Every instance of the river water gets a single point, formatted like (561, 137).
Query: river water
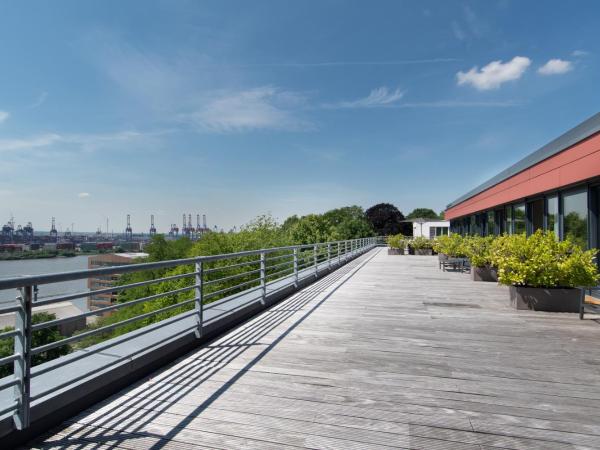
(22, 267)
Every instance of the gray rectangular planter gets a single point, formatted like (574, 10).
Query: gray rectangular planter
(484, 274)
(395, 251)
(541, 299)
(423, 251)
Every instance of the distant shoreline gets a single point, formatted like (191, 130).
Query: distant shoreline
(42, 255)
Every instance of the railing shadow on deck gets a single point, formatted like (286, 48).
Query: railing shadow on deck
(111, 427)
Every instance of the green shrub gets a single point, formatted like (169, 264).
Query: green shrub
(478, 250)
(397, 241)
(543, 261)
(420, 243)
(451, 245)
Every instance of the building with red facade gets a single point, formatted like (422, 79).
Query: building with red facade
(555, 188)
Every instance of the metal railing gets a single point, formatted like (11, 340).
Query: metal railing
(185, 286)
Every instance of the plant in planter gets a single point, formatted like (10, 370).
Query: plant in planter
(452, 245)
(397, 244)
(421, 246)
(542, 272)
(479, 251)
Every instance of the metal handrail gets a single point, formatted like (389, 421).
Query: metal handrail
(305, 261)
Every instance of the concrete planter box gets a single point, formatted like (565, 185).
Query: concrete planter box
(484, 273)
(541, 299)
(423, 251)
(395, 251)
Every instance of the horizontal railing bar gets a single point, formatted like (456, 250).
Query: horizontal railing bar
(230, 277)
(95, 312)
(9, 309)
(231, 288)
(112, 289)
(78, 337)
(285, 263)
(9, 334)
(289, 270)
(231, 266)
(233, 297)
(10, 383)
(11, 407)
(273, 258)
(106, 345)
(8, 359)
(111, 363)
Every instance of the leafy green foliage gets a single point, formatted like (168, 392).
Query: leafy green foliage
(38, 338)
(423, 213)
(543, 261)
(452, 245)
(420, 243)
(397, 241)
(386, 220)
(478, 250)
(225, 277)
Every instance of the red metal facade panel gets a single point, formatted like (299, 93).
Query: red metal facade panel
(578, 163)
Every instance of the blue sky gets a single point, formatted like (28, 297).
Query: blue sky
(234, 109)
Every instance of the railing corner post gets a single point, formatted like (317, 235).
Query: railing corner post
(263, 278)
(199, 297)
(296, 267)
(22, 365)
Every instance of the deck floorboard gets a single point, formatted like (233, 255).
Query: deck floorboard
(387, 352)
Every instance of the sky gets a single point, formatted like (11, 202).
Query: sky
(236, 109)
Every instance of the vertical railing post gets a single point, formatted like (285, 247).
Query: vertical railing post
(315, 261)
(329, 256)
(295, 267)
(22, 348)
(339, 247)
(263, 277)
(345, 250)
(199, 303)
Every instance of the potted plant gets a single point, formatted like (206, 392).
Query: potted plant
(397, 244)
(479, 251)
(421, 246)
(543, 273)
(449, 246)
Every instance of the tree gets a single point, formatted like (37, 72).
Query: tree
(386, 220)
(38, 337)
(423, 213)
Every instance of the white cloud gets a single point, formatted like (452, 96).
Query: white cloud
(493, 75)
(44, 140)
(580, 53)
(556, 67)
(3, 116)
(382, 96)
(85, 142)
(39, 101)
(261, 108)
(83, 195)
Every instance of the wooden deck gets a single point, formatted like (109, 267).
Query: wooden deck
(387, 352)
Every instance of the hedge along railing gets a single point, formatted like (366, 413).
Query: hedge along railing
(202, 280)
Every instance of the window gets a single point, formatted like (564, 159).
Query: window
(575, 218)
(509, 220)
(490, 223)
(536, 215)
(473, 226)
(519, 219)
(552, 214)
(499, 222)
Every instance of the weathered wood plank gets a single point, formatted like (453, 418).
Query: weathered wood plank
(389, 353)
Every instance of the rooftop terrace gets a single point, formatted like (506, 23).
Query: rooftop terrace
(386, 351)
